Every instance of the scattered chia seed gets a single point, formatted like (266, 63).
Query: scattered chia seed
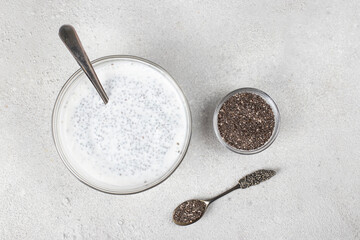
(189, 212)
(246, 121)
(256, 178)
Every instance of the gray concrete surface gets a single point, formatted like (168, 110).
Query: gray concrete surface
(305, 54)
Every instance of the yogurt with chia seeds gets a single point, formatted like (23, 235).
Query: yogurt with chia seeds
(134, 141)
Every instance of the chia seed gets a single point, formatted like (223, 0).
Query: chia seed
(246, 121)
(256, 178)
(189, 212)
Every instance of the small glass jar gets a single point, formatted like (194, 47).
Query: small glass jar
(268, 100)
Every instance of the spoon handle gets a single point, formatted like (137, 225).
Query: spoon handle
(237, 186)
(247, 181)
(71, 40)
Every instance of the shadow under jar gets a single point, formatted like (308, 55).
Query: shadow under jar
(246, 121)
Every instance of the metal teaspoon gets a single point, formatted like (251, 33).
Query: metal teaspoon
(71, 40)
(191, 211)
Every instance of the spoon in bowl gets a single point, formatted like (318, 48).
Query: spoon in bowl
(71, 40)
(191, 211)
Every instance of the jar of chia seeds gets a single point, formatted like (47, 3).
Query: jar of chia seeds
(246, 121)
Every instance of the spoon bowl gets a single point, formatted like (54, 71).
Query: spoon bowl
(190, 211)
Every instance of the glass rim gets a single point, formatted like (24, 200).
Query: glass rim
(268, 100)
(60, 151)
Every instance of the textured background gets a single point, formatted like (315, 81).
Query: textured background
(305, 54)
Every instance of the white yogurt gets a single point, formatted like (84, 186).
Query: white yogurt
(134, 140)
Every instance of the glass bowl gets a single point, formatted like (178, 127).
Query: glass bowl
(74, 167)
(268, 100)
